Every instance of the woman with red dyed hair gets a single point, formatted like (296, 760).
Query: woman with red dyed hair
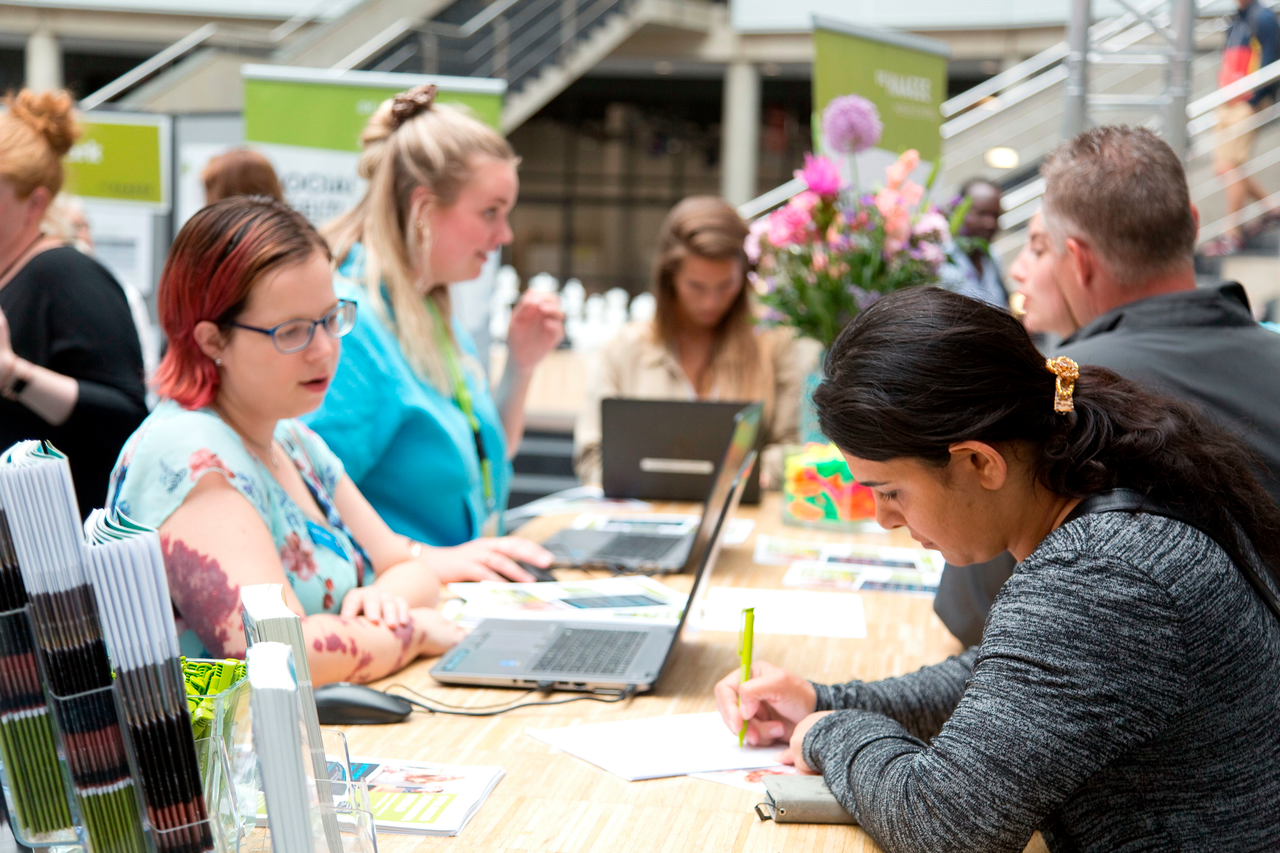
(247, 302)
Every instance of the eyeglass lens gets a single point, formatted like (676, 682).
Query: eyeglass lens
(295, 335)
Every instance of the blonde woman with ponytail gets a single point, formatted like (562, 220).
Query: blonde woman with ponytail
(410, 413)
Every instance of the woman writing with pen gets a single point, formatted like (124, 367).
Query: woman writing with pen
(1127, 689)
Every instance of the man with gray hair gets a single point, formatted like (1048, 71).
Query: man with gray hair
(1122, 234)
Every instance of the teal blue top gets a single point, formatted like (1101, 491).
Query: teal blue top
(173, 448)
(406, 445)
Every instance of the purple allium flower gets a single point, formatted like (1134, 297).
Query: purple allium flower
(851, 124)
(820, 175)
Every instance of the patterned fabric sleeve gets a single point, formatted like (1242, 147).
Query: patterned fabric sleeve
(162, 462)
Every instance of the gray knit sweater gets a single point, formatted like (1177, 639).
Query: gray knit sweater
(1126, 696)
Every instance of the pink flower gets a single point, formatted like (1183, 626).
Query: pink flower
(298, 558)
(204, 460)
(897, 225)
(851, 124)
(911, 193)
(933, 226)
(788, 225)
(892, 246)
(931, 253)
(752, 244)
(819, 260)
(820, 175)
(888, 201)
(898, 172)
(805, 201)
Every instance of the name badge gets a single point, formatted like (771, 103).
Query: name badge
(325, 539)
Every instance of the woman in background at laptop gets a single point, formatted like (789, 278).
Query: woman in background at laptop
(1126, 692)
(703, 343)
(241, 492)
(410, 413)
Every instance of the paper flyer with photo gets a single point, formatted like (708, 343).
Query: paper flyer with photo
(629, 598)
(747, 780)
(869, 568)
(777, 551)
(420, 798)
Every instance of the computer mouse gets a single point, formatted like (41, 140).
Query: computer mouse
(539, 574)
(344, 704)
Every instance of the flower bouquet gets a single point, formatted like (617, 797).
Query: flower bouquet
(833, 250)
(830, 251)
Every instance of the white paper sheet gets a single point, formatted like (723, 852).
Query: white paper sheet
(737, 531)
(747, 780)
(654, 747)
(778, 611)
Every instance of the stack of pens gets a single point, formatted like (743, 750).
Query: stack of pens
(27, 747)
(126, 568)
(37, 494)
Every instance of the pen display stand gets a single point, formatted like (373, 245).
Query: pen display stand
(819, 492)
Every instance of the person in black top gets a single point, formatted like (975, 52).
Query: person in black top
(70, 362)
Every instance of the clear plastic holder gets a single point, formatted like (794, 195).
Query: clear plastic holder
(37, 786)
(93, 744)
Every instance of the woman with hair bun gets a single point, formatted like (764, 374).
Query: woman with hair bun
(1126, 692)
(70, 363)
(241, 492)
(704, 342)
(410, 412)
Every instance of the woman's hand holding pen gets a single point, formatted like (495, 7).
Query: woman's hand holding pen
(772, 702)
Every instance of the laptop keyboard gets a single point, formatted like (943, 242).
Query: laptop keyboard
(591, 652)
(636, 546)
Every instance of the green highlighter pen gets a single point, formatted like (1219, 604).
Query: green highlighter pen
(748, 635)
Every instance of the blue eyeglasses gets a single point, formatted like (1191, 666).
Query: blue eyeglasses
(295, 335)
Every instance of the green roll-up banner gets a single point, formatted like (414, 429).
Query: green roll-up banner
(307, 121)
(904, 75)
(121, 158)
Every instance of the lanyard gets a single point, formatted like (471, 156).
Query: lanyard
(462, 398)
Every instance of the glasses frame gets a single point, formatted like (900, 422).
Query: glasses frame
(311, 333)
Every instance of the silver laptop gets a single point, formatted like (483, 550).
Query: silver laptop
(653, 551)
(601, 657)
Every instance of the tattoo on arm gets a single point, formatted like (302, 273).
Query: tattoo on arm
(206, 599)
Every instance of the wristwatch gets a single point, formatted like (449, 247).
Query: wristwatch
(17, 380)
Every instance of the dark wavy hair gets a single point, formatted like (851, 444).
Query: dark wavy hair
(923, 369)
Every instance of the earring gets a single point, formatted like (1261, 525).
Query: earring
(217, 362)
(419, 224)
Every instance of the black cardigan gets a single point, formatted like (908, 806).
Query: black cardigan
(66, 312)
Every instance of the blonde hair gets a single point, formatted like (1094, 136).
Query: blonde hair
(708, 227)
(35, 134)
(432, 149)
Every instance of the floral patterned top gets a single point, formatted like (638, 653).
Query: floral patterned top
(165, 458)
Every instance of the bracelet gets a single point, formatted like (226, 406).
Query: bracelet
(17, 380)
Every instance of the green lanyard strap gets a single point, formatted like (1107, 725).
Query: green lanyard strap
(462, 398)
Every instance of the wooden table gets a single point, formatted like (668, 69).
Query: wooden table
(550, 801)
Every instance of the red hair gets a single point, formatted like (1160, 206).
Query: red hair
(212, 267)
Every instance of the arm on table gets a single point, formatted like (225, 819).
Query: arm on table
(207, 562)
(1062, 688)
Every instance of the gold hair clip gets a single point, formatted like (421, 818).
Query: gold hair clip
(1066, 372)
(409, 104)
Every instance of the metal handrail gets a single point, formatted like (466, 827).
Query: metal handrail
(1231, 91)
(193, 40)
(1042, 60)
(131, 78)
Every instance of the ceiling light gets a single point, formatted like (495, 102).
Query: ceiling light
(1001, 158)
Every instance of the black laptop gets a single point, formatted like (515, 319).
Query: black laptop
(667, 450)
(656, 551)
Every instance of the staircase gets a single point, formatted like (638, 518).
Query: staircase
(1023, 109)
(540, 47)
